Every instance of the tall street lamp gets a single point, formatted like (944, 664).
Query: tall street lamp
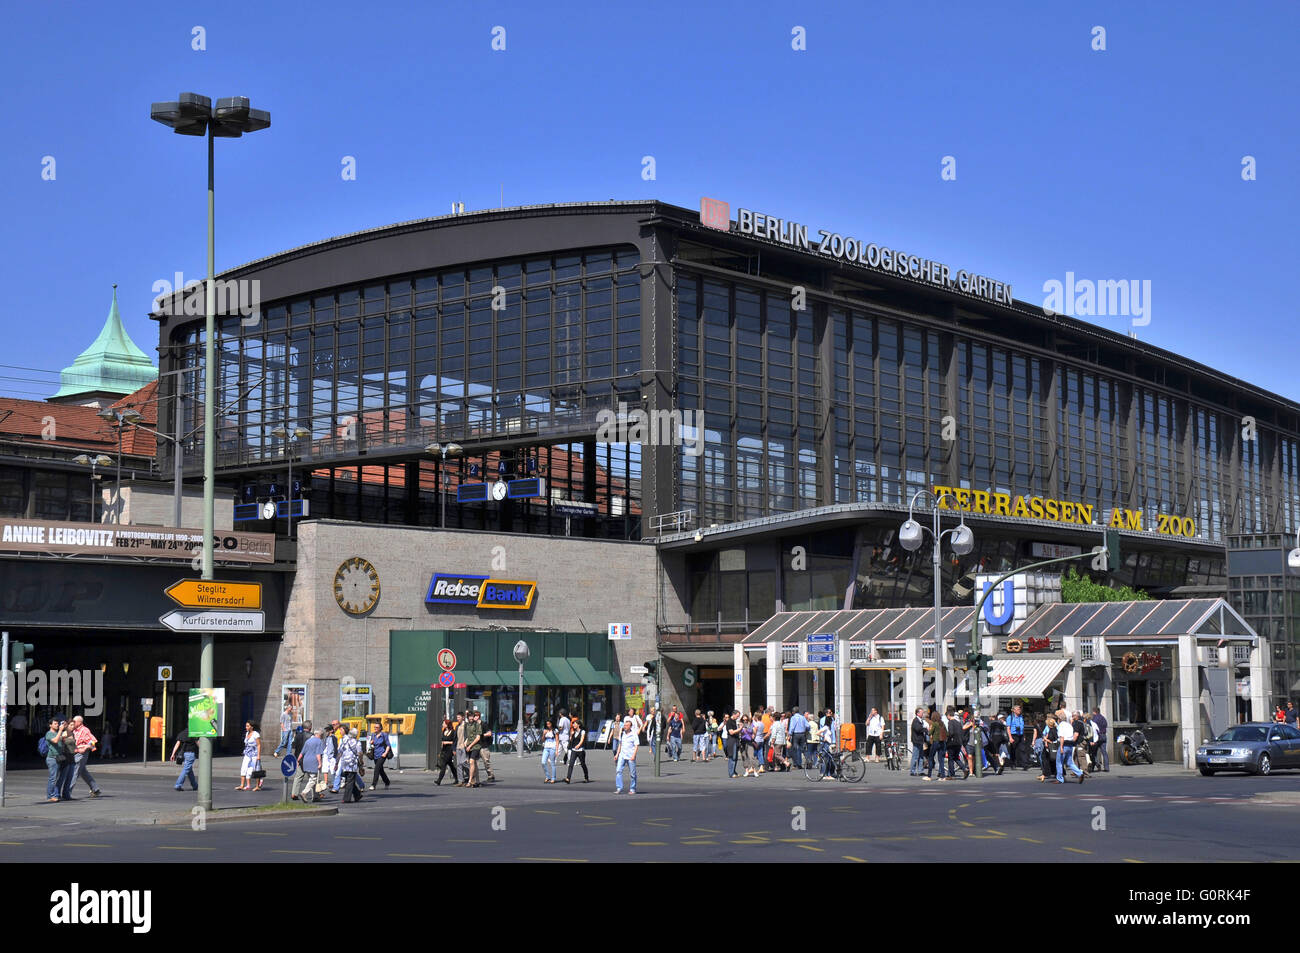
(443, 452)
(117, 419)
(910, 535)
(290, 438)
(193, 115)
(99, 460)
(521, 656)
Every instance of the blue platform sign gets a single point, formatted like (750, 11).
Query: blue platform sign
(822, 637)
(288, 765)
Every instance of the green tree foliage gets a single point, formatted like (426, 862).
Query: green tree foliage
(1079, 588)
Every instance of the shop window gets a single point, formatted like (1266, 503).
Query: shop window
(1158, 701)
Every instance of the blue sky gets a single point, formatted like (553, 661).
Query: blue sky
(1122, 164)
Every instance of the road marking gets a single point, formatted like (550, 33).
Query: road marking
(753, 843)
(647, 843)
(797, 840)
(354, 837)
(11, 843)
(264, 834)
(468, 840)
(960, 806)
(596, 817)
(84, 845)
(856, 860)
(546, 812)
(184, 848)
(600, 824)
(992, 831)
(1130, 860)
(844, 840)
(700, 843)
(1076, 850)
(906, 837)
(939, 837)
(706, 830)
(983, 837)
(655, 824)
(558, 860)
(1029, 840)
(441, 856)
(925, 822)
(806, 847)
(302, 851)
(966, 823)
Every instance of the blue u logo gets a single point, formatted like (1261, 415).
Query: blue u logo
(991, 615)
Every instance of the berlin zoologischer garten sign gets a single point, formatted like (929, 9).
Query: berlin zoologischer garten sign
(717, 214)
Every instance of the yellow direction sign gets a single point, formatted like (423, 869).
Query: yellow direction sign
(215, 594)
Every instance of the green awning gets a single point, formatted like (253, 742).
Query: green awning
(470, 677)
(560, 671)
(589, 675)
(535, 677)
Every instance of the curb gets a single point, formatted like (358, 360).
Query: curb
(231, 814)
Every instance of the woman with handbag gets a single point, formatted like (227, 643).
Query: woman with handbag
(252, 764)
(447, 753)
(1051, 741)
(747, 746)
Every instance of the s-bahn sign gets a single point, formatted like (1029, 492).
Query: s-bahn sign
(880, 258)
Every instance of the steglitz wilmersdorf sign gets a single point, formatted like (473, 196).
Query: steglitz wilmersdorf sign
(879, 258)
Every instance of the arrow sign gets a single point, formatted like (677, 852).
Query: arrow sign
(214, 620)
(822, 637)
(214, 594)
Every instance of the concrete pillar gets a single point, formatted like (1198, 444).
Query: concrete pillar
(1107, 700)
(741, 679)
(1073, 673)
(1259, 680)
(843, 680)
(775, 680)
(1189, 702)
(805, 690)
(913, 677)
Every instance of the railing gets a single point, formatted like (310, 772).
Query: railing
(394, 429)
(676, 522)
(1241, 655)
(1087, 650)
(789, 655)
(859, 651)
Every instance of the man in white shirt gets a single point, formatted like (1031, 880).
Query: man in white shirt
(627, 747)
(875, 735)
(563, 726)
(1065, 752)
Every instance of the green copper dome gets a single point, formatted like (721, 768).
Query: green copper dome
(112, 364)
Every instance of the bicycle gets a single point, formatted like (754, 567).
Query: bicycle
(895, 753)
(844, 766)
(507, 741)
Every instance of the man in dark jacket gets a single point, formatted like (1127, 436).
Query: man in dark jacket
(300, 738)
(956, 741)
(997, 738)
(1100, 755)
(918, 740)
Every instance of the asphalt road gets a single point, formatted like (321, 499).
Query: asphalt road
(692, 814)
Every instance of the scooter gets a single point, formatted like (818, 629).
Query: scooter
(1133, 747)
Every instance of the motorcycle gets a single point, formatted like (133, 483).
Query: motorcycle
(1133, 747)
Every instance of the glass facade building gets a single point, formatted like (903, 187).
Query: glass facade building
(805, 385)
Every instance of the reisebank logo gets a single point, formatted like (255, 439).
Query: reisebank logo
(459, 589)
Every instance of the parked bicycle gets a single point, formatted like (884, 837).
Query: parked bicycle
(507, 740)
(841, 765)
(895, 752)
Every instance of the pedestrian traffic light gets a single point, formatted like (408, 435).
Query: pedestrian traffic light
(972, 660)
(651, 670)
(20, 655)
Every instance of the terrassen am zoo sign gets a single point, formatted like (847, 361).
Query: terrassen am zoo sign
(153, 542)
(1058, 511)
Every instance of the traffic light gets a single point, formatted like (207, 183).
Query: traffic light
(20, 655)
(651, 670)
(1112, 550)
(972, 660)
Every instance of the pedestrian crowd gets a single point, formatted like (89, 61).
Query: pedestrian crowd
(1058, 742)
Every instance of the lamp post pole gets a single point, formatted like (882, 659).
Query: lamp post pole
(521, 653)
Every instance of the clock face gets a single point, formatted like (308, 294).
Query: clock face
(356, 586)
(499, 490)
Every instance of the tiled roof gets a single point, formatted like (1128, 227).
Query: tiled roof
(75, 426)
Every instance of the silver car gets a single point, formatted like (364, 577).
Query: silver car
(1259, 747)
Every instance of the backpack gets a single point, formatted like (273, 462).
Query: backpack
(1093, 734)
(954, 733)
(43, 747)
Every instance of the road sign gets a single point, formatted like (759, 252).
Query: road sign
(822, 637)
(820, 658)
(638, 670)
(689, 677)
(446, 659)
(146, 704)
(215, 594)
(164, 673)
(214, 620)
(288, 765)
(446, 679)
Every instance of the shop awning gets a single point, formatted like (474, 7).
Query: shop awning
(588, 674)
(1022, 676)
(469, 676)
(560, 672)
